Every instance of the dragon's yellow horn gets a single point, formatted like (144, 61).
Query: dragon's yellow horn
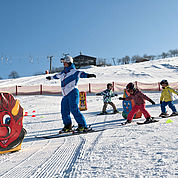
(15, 109)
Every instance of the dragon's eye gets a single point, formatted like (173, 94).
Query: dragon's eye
(6, 119)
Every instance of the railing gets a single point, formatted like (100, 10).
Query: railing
(89, 88)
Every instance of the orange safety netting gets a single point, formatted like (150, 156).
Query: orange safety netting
(90, 88)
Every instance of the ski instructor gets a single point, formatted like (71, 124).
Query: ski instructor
(69, 79)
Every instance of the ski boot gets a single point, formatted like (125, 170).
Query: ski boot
(67, 128)
(174, 114)
(104, 112)
(163, 114)
(115, 112)
(148, 120)
(82, 129)
(127, 122)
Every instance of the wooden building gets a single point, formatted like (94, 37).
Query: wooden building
(83, 60)
(141, 60)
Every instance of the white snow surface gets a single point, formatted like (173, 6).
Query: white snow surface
(150, 72)
(119, 151)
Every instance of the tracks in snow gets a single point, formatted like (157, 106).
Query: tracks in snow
(61, 158)
(64, 161)
(18, 167)
(51, 158)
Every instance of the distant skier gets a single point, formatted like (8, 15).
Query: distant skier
(139, 100)
(107, 94)
(69, 79)
(166, 99)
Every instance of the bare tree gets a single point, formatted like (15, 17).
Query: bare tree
(101, 62)
(13, 75)
(126, 60)
(173, 53)
(164, 55)
(149, 57)
(152, 57)
(137, 58)
(146, 57)
(119, 61)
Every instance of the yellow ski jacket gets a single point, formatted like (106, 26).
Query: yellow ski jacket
(166, 94)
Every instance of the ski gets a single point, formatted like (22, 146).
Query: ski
(66, 134)
(101, 114)
(152, 121)
(168, 116)
(127, 124)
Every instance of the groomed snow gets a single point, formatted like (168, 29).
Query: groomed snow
(119, 151)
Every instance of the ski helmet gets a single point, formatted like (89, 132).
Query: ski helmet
(130, 86)
(67, 59)
(164, 82)
(109, 84)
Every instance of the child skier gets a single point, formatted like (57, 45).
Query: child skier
(107, 94)
(166, 99)
(139, 99)
(69, 79)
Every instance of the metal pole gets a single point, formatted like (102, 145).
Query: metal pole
(114, 61)
(50, 67)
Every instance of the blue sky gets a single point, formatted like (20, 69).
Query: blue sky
(34, 29)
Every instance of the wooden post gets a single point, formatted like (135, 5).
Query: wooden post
(113, 86)
(159, 88)
(89, 87)
(16, 90)
(41, 89)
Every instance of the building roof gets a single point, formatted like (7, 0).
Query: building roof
(81, 55)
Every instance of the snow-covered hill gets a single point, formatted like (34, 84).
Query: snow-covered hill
(119, 151)
(151, 71)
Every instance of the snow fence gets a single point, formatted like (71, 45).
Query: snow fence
(89, 88)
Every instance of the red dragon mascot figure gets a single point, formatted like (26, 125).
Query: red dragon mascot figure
(11, 124)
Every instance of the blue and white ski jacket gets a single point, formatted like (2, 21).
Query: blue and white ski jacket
(69, 78)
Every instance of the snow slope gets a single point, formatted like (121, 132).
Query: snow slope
(119, 151)
(150, 72)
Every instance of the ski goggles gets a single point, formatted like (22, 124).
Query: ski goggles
(62, 60)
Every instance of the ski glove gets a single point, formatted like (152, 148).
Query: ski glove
(120, 98)
(152, 102)
(98, 94)
(48, 78)
(91, 75)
